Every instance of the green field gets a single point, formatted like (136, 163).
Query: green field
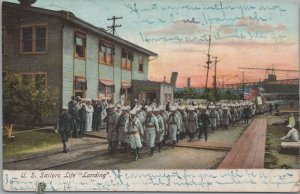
(30, 142)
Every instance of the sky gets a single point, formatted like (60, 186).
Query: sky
(257, 34)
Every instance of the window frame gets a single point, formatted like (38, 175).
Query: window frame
(74, 44)
(106, 91)
(33, 43)
(128, 52)
(143, 59)
(33, 74)
(106, 46)
(76, 90)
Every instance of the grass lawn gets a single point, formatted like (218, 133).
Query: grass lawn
(30, 142)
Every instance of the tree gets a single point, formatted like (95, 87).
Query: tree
(42, 102)
(23, 94)
(190, 93)
(14, 97)
(208, 95)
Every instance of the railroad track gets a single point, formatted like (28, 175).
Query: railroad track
(53, 153)
(74, 161)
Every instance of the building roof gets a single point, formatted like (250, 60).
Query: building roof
(70, 17)
(150, 81)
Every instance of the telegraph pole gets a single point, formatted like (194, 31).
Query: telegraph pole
(114, 26)
(243, 81)
(208, 63)
(215, 78)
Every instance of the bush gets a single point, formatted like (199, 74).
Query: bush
(21, 95)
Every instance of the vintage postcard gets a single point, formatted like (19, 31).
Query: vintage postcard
(136, 95)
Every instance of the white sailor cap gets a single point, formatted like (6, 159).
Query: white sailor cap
(65, 108)
(149, 109)
(125, 108)
(111, 106)
(156, 110)
(162, 107)
(173, 108)
(132, 112)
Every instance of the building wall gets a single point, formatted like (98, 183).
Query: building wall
(49, 63)
(166, 89)
(68, 60)
(92, 70)
(13, 61)
(146, 88)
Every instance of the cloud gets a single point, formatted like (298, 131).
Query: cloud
(226, 29)
(179, 27)
(251, 26)
(188, 47)
(256, 26)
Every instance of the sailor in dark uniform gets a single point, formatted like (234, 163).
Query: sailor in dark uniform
(65, 120)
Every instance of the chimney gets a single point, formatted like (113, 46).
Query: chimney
(188, 84)
(27, 2)
(174, 78)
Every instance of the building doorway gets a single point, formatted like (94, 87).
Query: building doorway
(151, 96)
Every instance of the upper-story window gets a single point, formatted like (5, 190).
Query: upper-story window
(127, 59)
(105, 54)
(80, 44)
(141, 64)
(33, 39)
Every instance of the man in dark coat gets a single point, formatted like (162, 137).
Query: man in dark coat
(246, 113)
(65, 120)
(97, 115)
(82, 120)
(168, 106)
(73, 111)
(203, 121)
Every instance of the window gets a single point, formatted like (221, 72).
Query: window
(80, 44)
(105, 54)
(40, 39)
(27, 40)
(80, 87)
(126, 90)
(33, 39)
(27, 78)
(127, 59)
(141, 64)
(39, 79)
(106, 89)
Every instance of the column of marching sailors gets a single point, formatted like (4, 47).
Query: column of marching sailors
(150, 125)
